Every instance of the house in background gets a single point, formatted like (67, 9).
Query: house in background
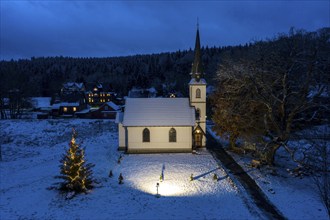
(42, 106)
(107, 110)
(96, 94)
(71, 100)
(70, 88)
(67, 109)
(166, 124)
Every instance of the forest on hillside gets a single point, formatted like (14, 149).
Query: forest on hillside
(44, 76)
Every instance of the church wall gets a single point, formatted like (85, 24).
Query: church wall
(121, 138)
(159, 140)
(199, 103)
(192, 95)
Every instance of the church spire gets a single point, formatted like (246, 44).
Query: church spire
(197, 66)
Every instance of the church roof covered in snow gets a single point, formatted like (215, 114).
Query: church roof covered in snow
(158, 112)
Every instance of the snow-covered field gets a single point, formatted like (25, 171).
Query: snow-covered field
(31, 150)
(295, 197)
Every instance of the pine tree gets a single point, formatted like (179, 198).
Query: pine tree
(77, 175)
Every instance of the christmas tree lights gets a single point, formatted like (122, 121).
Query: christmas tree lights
(77, 175)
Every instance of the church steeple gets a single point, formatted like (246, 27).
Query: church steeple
(197, 67)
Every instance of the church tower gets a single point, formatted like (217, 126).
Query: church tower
(197, 95)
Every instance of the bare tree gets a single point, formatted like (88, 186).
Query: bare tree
(281, 79)
(322, 178)
(317, 161)
(236, 114)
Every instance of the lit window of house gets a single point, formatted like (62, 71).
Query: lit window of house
(65, 109)
(74, 109)
(108, 94)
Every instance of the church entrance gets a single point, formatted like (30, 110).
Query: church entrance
(198, 138)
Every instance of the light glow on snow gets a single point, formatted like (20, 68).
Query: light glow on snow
(166, 188)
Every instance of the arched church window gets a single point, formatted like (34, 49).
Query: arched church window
(198, 114)
(172, 135)
(146, 135)
(198, 93)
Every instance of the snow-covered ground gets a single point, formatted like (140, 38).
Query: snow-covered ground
(295, 197)
(31, 150)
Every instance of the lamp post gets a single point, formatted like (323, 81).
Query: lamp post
(157, 195)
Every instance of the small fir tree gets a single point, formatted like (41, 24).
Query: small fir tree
(215, 177)
(77, 175)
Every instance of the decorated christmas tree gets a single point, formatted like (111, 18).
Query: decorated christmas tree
(77, 175)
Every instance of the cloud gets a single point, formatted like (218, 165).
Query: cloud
(107, 28)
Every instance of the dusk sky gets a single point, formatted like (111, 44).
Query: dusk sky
(120, 28)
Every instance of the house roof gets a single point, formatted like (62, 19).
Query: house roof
(158, 112)
(200, 82)
(41, 102)
(113, 106)
(119, 117)
(65, 104)
(73, 85)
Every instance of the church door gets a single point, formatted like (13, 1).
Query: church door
(198, 139)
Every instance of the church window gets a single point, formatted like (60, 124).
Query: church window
(146, 135)
(198, 93)
(172, 135)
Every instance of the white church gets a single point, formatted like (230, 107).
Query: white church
(156, 125)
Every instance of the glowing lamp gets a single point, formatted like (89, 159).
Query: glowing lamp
(157, 186)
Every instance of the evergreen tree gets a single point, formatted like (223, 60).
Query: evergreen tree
(77, 175)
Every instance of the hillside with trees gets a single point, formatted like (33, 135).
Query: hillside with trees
(44, 76)
(271, 89)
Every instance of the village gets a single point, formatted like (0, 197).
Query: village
(188, 164)
(98, 120)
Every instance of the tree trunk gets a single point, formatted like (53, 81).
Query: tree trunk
(232, 142)
(270, 154)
